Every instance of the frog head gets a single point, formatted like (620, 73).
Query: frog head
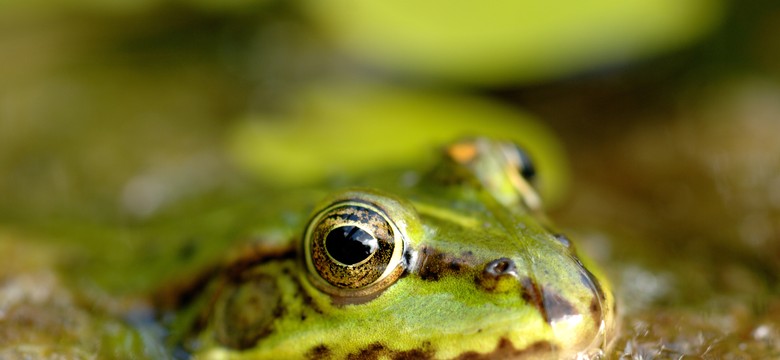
(458, 264)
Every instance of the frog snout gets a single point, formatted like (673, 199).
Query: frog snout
(499, 275)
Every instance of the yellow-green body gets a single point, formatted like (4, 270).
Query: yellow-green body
(481, 274)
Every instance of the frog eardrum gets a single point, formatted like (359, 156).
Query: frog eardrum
(353, 248)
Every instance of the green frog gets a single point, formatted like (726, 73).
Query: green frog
(459, 263)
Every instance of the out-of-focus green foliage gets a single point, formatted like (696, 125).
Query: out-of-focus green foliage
(125, 6)
(501, 42)
(338, 130)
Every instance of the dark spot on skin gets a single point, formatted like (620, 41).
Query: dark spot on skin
(372, 352)
(412, 355)
(434, 264)
(318, 352)
(408, 257)
(557, 306)
(550, 304)
(506, 350)
(378, 351)
(308, 302)
(595, 311)
(533, 295)
(187, 250)
(280, 312)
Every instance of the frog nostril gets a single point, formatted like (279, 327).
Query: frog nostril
(499, 275)
(500, 267)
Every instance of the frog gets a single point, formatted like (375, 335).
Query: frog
(460, 262)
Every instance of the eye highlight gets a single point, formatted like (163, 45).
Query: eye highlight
(352, 245)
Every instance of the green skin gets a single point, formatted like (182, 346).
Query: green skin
(478, 274)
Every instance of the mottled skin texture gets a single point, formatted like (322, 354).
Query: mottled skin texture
(479, 275)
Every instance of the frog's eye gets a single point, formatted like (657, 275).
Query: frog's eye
(353, 245)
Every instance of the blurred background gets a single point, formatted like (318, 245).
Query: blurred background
(654, 124)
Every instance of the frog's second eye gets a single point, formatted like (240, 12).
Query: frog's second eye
(520, 159)
(351, 246)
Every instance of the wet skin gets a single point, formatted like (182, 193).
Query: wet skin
(460, 263)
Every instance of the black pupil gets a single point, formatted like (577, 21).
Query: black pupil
(350, 244)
